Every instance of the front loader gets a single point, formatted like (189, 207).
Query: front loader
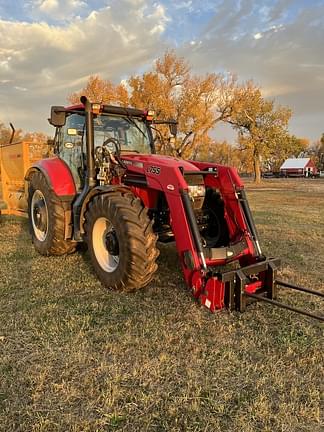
(106, 186)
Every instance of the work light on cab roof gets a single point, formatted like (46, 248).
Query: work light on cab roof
(150, 114)
(96, 108)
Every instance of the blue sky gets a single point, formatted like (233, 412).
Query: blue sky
(48, 49)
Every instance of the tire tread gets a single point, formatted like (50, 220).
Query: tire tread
(138, 233)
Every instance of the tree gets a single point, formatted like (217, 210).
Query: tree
(316, 151)
(199, 103)
(288, 146)
(173, 92)
(261, 126)
(320, 153)
(6, 132)
(103, 91)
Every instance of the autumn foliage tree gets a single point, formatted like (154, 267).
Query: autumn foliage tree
(261, 125)
(199, 103)
(6, 132)
(289, 146)
(316, 151)
(103, 91)
(227, 154)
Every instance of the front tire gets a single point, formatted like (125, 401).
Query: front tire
(46, 216)
(121, 241)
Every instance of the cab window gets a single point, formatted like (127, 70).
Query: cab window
(70, 146)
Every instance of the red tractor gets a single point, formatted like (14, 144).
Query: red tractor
(106, 186)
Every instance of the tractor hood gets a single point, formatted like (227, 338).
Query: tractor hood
(166, 173)
(160, 161)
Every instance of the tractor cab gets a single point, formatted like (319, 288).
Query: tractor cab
(131, 132)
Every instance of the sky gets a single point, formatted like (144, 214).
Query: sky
(48, 48)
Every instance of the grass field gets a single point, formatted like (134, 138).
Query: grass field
(76, 358)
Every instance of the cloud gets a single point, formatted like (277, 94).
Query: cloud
(279, 9)
(286, 59)
(20, 88)
(57, 9)
(278, 43)
(45, 63)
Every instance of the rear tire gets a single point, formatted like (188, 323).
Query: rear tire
(46, 216)
(121, 241)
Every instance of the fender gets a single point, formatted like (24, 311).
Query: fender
(60, 180)
(58, 176)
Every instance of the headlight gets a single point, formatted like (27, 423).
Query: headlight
(196, 190)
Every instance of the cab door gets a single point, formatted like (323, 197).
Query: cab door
(70, 147)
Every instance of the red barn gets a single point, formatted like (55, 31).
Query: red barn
(298, 167)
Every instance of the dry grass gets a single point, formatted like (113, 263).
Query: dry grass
(76, 358)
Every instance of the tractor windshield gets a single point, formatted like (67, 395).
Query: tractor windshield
(131, 132)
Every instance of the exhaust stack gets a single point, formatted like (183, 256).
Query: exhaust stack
(91, 171)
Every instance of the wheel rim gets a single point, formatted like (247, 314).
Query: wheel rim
(105, 244)
(39, 215)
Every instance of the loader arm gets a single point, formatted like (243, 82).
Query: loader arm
(149, 175)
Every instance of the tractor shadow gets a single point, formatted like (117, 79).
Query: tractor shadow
(168, 275)
(169, 269)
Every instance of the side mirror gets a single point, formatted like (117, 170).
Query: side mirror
(173, 126)
(58, 116)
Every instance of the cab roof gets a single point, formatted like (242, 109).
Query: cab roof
(112, 109)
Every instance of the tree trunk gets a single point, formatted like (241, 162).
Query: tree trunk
(257, 168)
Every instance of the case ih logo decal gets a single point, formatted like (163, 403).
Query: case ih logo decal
(154, 170)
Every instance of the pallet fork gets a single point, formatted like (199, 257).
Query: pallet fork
(241, 287)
